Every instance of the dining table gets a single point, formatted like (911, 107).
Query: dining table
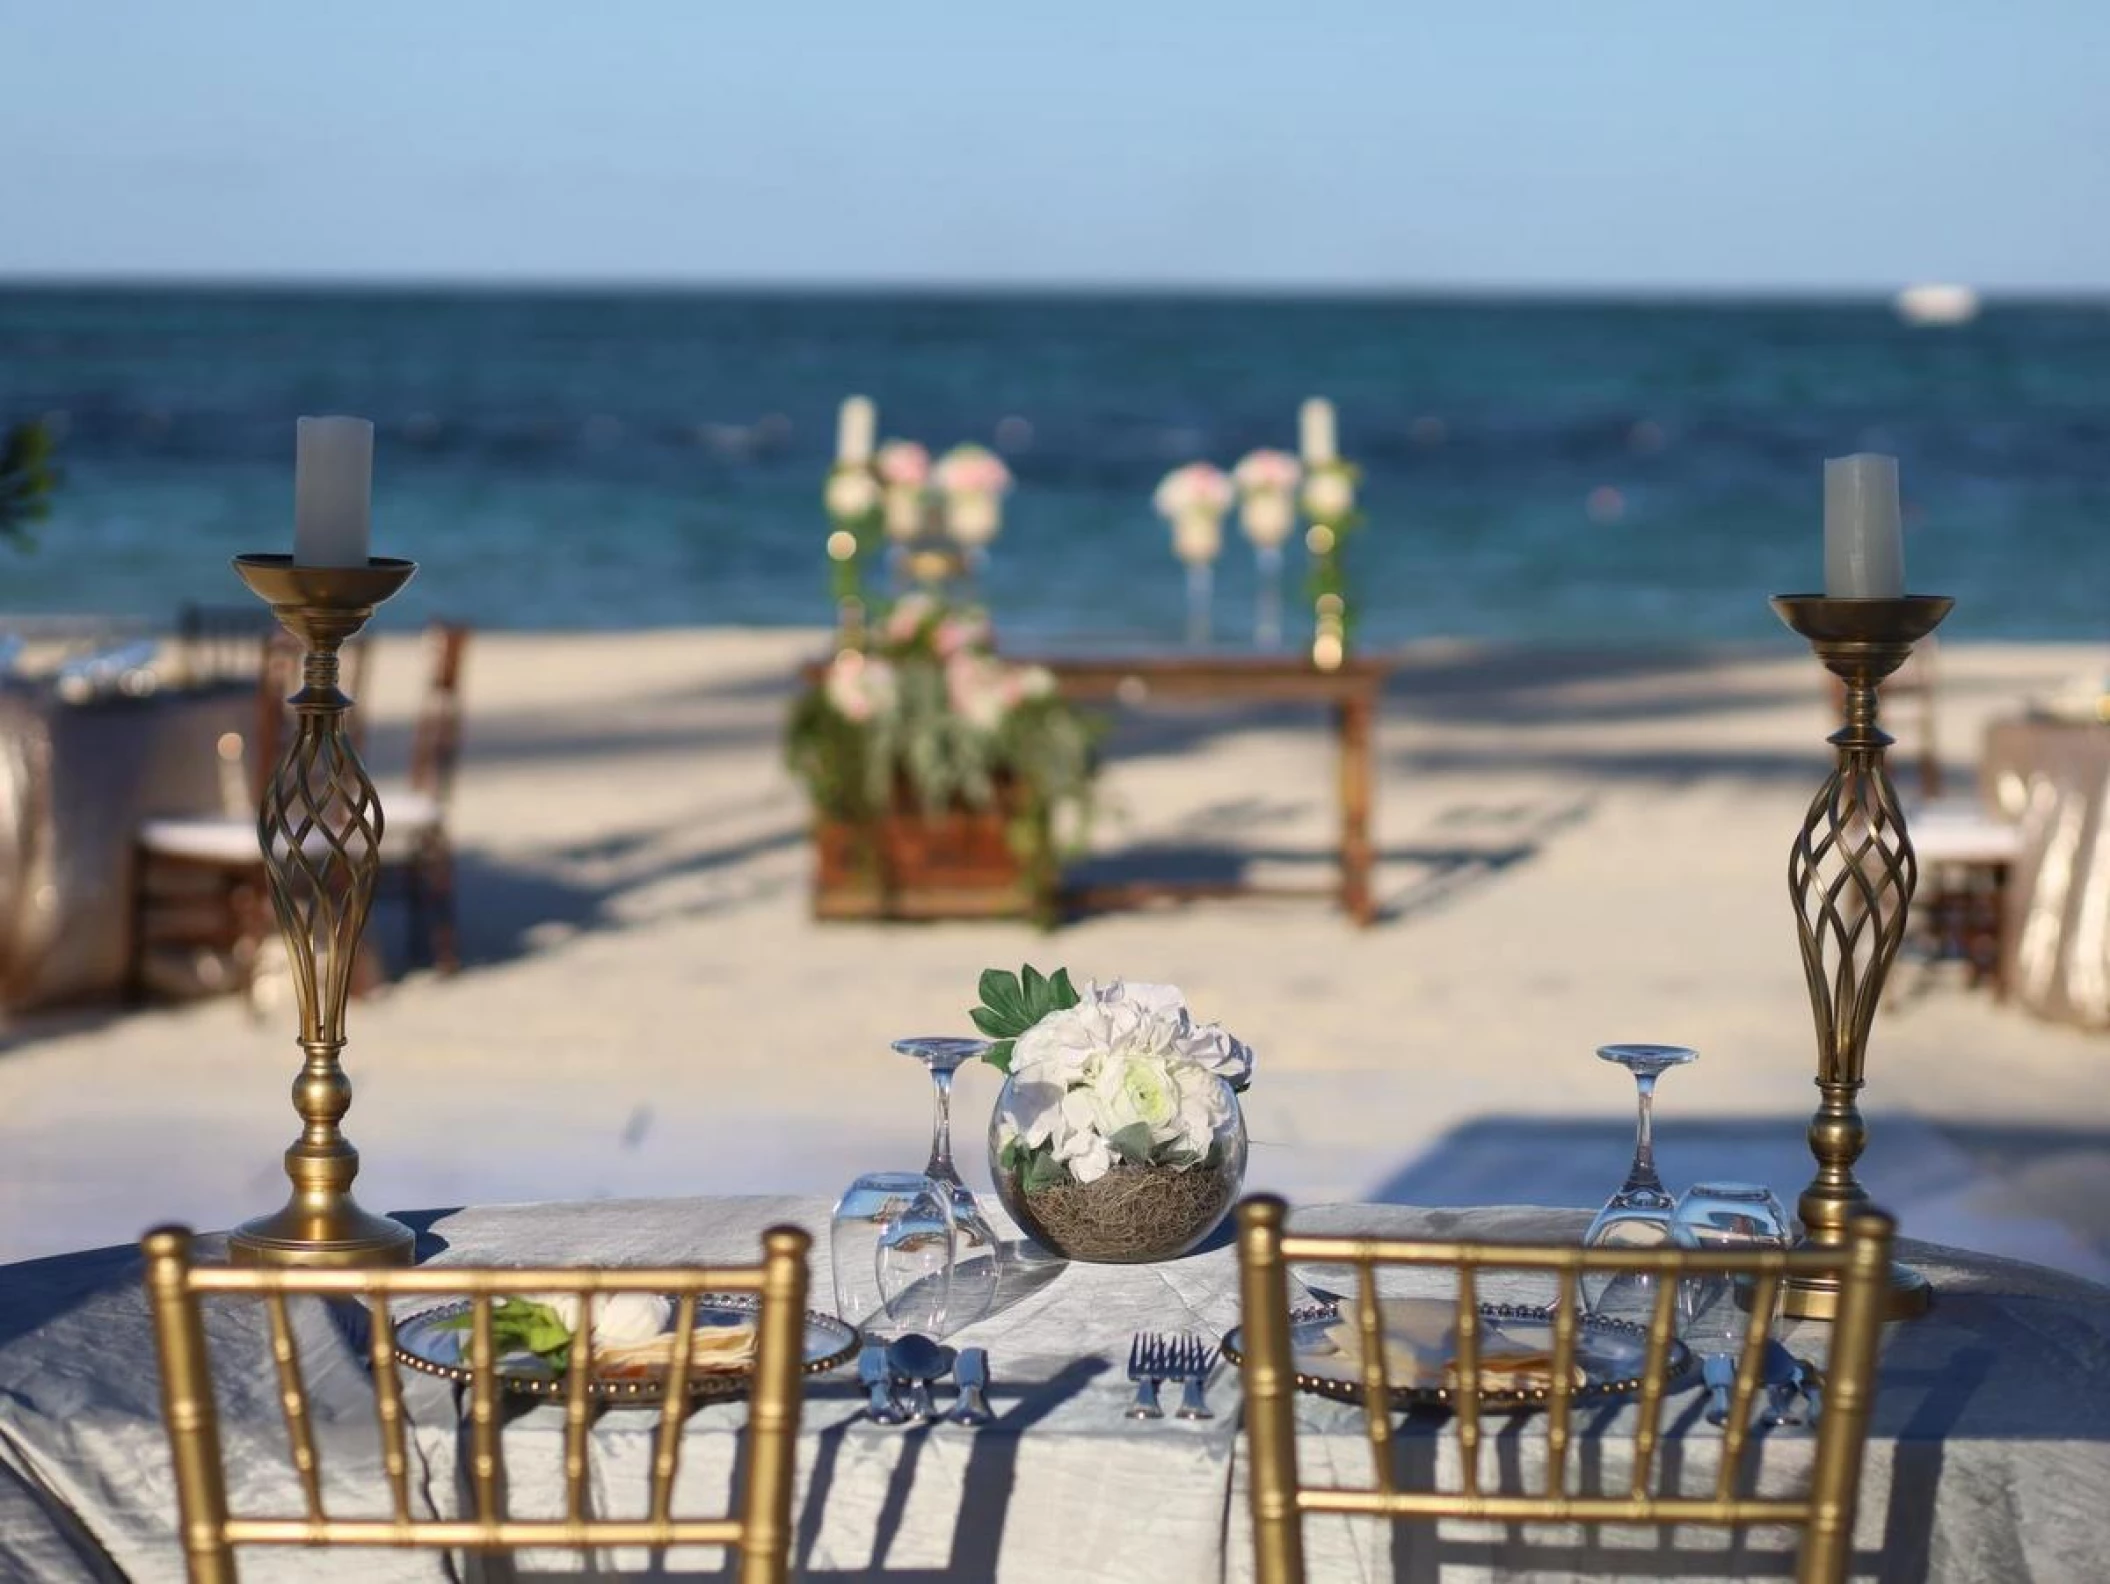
(1989, 1455)
(77, 775)
(2048, 771)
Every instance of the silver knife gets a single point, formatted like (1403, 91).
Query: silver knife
(972, 1374)
(883, 1408)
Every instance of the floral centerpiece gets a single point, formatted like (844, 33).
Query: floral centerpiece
(1194, 499)
(1267, 496)
(903, 467)
(1118, 1136)
(973, 481)
(927, 719)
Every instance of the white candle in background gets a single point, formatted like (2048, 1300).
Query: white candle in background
(856, 427)
(1864, 542)
(333, 470)
(1315, 432)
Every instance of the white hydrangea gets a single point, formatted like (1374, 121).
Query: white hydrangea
(1126, 1056)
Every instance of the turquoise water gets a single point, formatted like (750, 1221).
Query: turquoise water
(646, 459)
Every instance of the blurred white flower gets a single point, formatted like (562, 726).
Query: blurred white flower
(852, 492)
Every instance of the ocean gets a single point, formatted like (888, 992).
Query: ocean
(1533, 469)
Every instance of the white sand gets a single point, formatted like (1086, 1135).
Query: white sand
(1581, 847)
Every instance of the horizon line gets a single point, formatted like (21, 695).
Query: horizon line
(1452, 291)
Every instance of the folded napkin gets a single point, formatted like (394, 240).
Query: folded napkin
(719, 1348)
(1420, 1340)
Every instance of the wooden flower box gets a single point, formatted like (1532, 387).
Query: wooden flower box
(956, 864)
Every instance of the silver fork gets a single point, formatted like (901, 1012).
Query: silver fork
(1192, 1360)
(1149, 1362)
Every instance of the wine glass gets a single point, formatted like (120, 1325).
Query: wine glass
(976, 1274)
(1639, 1214)
(1714, 1310)
(892, 1244)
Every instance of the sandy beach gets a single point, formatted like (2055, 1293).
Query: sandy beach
(1578, 846)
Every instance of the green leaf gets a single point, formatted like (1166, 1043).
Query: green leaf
(1043, 1171)
(1002, 994)
(1131, 1143)
(988, 1022)
(1064, 992)
(999, 1054)
(521, 1325)
(1033, 986)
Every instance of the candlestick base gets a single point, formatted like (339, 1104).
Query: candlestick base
(338, 1236)
(1817, 1298)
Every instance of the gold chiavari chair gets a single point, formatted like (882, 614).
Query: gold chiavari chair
(1278, 1500)
(759, 1530)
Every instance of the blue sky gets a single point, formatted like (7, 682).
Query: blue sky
(1599, 144)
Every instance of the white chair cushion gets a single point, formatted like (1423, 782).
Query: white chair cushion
(1961, 831)
(231, 839)
(216, 838)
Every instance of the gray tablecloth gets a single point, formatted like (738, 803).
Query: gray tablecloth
(75, 779)
(2053, 776)
(1990, 1457)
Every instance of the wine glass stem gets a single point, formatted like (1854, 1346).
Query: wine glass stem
(1643, 1172)
(941, 1166)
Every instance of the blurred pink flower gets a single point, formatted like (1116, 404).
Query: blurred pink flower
(1194, 489)
(971, 470)
(959, 631)
(1267, 470)
(861, 687)
(902, 462)
(909, 615)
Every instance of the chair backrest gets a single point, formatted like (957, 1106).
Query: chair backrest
(222, 643)
(436, 744)
(759, 1529)
(1825, 1515)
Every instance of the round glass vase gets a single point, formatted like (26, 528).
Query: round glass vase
(1131, 1214)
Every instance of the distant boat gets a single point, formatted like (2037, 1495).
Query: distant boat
(1937, 305)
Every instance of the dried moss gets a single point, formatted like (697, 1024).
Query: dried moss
(1130, 1216)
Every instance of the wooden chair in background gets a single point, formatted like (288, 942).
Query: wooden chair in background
(759, 1528)
(199, 882)
(1279, 1499)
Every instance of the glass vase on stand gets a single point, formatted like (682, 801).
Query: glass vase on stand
(1641, 1213)
(978, 1264)
(1201, 597)
(1267, 615)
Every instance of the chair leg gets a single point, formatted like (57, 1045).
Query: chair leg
(441, 931)
(136, 930)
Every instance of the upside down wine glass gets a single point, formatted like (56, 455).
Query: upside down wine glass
(976, 1269)
(1640, 1214)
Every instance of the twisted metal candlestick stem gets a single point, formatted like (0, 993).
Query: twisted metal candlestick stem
(1851, 875)
(320, 827)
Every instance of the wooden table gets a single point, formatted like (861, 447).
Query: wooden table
(1353, 693)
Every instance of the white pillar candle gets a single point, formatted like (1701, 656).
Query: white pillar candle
(856, 427)
(333, 469)
(1315, 432)
(1864, 543)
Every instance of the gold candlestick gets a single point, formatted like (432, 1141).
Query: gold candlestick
(320, 829)
(1851, 874)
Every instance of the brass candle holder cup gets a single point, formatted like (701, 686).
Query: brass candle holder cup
(1851, 875)
(320, 828)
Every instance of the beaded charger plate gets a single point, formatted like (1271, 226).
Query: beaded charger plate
(1609, 1353)
(430, 1341)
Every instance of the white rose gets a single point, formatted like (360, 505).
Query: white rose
(1087, 1156)
(1033, 1113)
(619, 1318)
(1056, 1049)
(1267, 517)
(972, 517)
(1162, 998)
(1209, 1047)
(1204, 1109)
(851, 493)
(1138, 1089)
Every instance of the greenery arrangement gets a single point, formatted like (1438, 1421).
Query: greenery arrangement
(27, 479)
(926, 712)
